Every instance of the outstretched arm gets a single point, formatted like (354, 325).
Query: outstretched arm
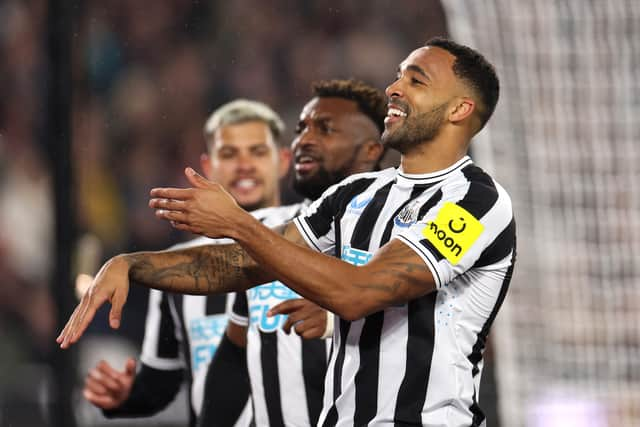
(394, 275)
(197, 270)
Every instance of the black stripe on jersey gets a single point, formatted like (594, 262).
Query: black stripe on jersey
(361, 235)
(270, 379)
(499, 248)
(366, 380)
(417, 190)
(332, 415)
(433, 200)
(168, 346)
(314, 365)
(482, 193)
(240, 304)
(427, 245)
(320, 221)
(178, 301)
(215, 304)
(476, 352)
(413, 390)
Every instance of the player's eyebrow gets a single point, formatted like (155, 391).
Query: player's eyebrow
(418, 70)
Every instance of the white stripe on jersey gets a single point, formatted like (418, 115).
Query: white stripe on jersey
(150, 354)
(419, 362)
(298, 395)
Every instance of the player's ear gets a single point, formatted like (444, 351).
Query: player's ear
(462, 109)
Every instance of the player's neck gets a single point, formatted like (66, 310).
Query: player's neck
(433, 156)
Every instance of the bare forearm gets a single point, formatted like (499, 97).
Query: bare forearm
(198, 270)
(349, 291)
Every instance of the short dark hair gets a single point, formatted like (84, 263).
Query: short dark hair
(475, 71)
(371, 101)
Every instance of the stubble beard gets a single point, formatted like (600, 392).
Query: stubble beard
(415, 129)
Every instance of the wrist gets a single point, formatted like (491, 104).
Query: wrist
(243, 226)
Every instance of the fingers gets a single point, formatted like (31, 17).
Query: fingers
(104, 386)
(285, 307)
(173, 216)
(172, 193)
(80, 319)
(130, 367)
(69, 331)
(106, 377)
(306, 318)
(168, 204)
(117, 302)
(100, 400)
(196, 179)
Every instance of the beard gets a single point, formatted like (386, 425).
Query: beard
(415, 129)
(312, 187)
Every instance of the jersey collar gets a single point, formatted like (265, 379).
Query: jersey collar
(407, 179)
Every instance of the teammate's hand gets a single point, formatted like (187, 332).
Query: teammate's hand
(205, 209)
(307, 319)
(108, 388)
(110, 284)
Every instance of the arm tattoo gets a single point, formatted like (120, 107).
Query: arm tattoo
(199, 270)
(396, 276)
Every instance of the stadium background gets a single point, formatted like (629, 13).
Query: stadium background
(144, 76)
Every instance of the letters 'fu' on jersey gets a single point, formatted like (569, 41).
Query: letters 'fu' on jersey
(420, 362)
(286, 372)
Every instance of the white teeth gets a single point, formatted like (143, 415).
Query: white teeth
(246, 183)
(305, 159)
(395, 112)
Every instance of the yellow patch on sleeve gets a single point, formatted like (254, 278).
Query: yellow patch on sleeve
(453, 231)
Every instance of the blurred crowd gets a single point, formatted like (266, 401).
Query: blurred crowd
(145, 77)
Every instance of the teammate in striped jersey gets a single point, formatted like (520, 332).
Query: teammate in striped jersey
(338, 134)
(183, 331)
(425, 253)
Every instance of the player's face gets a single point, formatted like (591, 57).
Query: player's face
(244, 160)
(419, 98)
(327, 146)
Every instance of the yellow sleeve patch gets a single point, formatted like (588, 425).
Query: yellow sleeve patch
(453, 231)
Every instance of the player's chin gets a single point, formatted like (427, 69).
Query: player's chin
(250, 202)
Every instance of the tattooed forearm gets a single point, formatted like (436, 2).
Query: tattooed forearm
(199, 270)
(398, 278)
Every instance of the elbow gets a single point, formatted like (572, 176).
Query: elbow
(352, 309)
(351, 314)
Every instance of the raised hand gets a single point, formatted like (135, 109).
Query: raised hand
(108, 388)
(110, 284)
(205, 209)
(307, 319)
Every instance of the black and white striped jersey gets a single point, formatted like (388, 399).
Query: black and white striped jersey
(202, 320)
(286, 372)
(418, 363)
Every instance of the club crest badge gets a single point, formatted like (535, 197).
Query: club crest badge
(408, 215)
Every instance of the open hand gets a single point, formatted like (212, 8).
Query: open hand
(108, 388)
(110, 284)
(205, 209)
(307, 319)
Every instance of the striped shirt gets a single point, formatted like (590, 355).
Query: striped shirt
(286, 372)
(202, 320)
(418, 363)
